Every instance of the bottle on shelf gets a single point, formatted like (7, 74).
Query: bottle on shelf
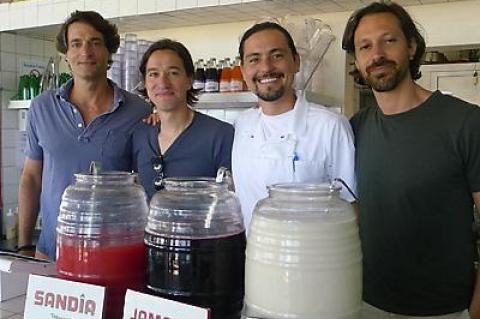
(211, 76)
(225, 76)
(236, 82)
(199, 77)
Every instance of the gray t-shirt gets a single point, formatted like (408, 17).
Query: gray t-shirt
(57, 136)
(417, 171)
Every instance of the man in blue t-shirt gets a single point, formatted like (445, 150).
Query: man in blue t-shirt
(418, 171)
(184, 142)
(88, 119)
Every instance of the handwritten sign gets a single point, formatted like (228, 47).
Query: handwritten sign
(143, 306)
(56, 298)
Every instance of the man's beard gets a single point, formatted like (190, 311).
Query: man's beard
(270, 95)
(387, 82)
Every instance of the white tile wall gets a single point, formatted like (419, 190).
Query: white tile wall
(146, 6)
(8, 138)
(8, 80)
(22, 45)
(94, 5)
(30, 14)
(9, 157)
(186, 4)
(49, 49)
(7, 42)
(127, 7)
(9, 119)
(110, 8)
(165, 5)
(208, 2)
(8, 62)
(15, 49)
(76, 5)
(5, 14)
(7, 95)
(36, 47)
(45, 12)
(60, 11)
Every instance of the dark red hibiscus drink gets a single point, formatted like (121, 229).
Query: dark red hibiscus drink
(195, 241)
(100, 235)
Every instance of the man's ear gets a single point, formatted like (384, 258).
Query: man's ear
(297, 62)
(412, 49)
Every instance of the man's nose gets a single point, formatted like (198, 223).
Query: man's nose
(266, 64)
(87, 47)
(378, 51)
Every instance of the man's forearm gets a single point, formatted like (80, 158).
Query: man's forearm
(28, 207)
(474, 309)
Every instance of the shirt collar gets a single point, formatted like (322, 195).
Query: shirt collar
(299, 125)
(63, 93)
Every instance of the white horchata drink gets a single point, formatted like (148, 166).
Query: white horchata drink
(303, 257)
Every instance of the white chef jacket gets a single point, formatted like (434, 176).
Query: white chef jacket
(316, 147)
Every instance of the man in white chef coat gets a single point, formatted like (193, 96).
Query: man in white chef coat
(286, 138)
(418, 169)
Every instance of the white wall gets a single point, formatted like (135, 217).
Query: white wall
(13, 50)
(445, 24)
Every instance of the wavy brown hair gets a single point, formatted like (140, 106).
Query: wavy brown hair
(407, 25)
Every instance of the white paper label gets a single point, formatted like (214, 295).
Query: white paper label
(143, 306)
(57, 299)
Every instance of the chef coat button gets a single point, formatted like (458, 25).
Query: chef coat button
(283, 136)
(251, 136)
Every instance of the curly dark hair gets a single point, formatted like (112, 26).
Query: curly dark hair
(266, 26)
(407, 25)
(107, 29)
(183, 54)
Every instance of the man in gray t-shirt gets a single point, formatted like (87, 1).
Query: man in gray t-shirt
(88, 119)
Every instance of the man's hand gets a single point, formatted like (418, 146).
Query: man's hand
(27, 250)
(153, 119)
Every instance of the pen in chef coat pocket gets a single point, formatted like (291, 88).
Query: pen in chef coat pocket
(294, 159)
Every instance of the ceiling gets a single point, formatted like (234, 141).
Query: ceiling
(225, 13)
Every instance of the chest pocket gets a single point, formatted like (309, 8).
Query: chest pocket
(274, 160)
(116, 150)
(311, 171)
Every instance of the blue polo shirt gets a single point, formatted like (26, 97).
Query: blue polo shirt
(58, 136)
(199, 151)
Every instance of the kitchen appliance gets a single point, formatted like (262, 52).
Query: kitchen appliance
(303, 257)
(100, 234)
(195, 241)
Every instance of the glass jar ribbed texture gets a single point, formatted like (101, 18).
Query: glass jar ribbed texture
(303, 257)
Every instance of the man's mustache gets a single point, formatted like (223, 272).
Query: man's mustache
(380, 62)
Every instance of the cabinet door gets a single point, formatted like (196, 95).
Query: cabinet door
(462, 84)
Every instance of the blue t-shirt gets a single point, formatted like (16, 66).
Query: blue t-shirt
(203, 147)
(57, 136)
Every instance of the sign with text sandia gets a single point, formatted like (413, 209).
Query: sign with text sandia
(143, 306)
(56, 298)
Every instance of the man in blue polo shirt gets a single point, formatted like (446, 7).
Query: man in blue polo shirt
(88, 119)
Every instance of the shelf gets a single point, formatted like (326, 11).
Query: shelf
(19, 104)
(226, 100)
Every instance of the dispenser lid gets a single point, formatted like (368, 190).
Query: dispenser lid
(195, 208)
